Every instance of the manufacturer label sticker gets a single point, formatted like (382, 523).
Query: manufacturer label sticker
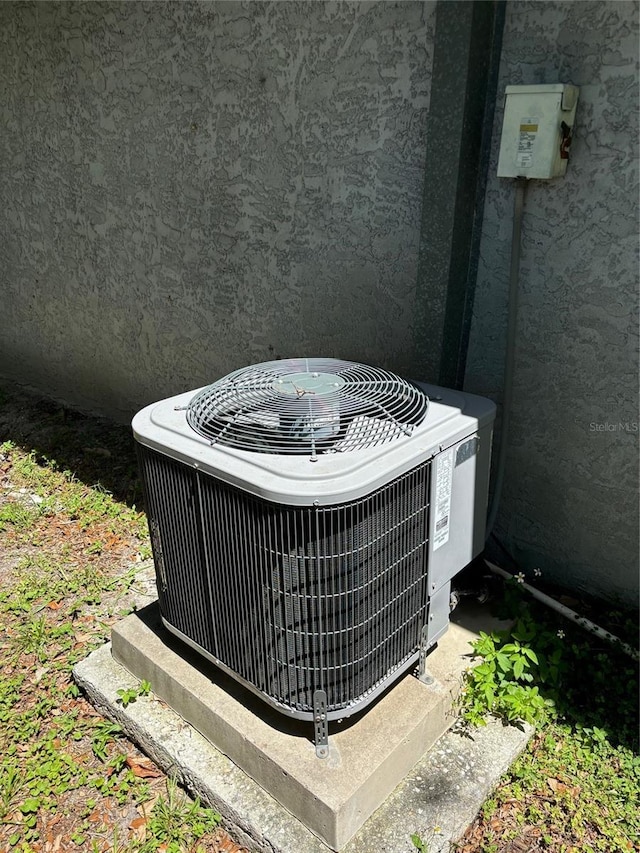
(444, 482)
(526, 140)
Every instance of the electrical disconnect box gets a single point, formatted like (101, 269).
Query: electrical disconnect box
(536, 131)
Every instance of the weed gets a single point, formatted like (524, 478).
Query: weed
(537, 670)
(420, 845)
(177, 822)
(423, 845)
(105, 732)
(144, 552)
(116, 846)
(10, 784)
(580, 776)
(31, 637)
(18, 515)
(130, 694)
(501, 684)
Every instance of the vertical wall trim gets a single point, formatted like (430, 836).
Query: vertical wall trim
(465, 67)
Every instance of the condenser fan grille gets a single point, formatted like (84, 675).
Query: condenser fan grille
(307, 406)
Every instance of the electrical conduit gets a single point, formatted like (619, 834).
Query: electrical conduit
(568, 613)
(509, 363)
(507, 398)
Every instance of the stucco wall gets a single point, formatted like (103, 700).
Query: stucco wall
(186, 188)
(190, 187)
(570, 504)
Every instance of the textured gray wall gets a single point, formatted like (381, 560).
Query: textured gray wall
(187, 188)
(570, 504)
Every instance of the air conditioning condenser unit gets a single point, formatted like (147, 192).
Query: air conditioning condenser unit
(306, 518)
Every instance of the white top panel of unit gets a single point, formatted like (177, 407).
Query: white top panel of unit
(333, 477)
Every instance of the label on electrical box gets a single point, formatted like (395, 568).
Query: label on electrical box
(526, 140)
(444, 482)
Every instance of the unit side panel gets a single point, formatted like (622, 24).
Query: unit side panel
(233, 526)
(458, 506)
(174, 524)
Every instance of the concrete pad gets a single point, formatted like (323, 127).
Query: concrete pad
(369, 754)
(369, 757)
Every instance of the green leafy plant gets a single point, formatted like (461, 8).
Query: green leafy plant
(32, 636)
(105, 732)
(420, 845)
(130, 694)
(176, 822)
(145, 552)
(501, 684)
(579, 778)
(18, 515)
(127, 695)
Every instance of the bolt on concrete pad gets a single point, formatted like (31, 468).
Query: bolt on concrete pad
(333, 797)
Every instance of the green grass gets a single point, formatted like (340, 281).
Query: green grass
(579, 778)
(60, 762)
(578, 786)
(62, 493)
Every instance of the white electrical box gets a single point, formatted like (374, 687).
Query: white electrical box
(536, 131)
